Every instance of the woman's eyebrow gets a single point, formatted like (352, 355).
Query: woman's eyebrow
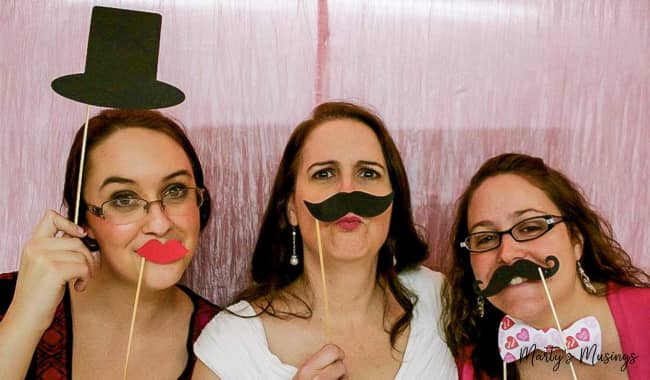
(321, 163)
(116, 179)
(123, 180)
(513, 215)
(370, 163)
(178, 173)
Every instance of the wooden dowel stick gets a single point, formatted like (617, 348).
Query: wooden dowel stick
(328, 321)
(81, 166)
(557, 321)
(135, 310)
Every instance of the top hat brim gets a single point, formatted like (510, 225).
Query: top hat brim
(116, 93)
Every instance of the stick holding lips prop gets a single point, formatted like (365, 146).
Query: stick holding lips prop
(121, 70)
(335, 208)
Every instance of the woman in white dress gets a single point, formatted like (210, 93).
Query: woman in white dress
(384, 306)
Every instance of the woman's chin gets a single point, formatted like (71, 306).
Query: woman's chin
(163, 276)
(348, 255)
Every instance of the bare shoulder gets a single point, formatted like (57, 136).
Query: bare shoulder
(202, 372)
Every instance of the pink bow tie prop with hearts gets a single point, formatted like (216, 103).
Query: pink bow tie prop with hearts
(517, 339)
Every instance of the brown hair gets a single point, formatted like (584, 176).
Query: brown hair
(603, 258)
(109, 121)
(271, 271)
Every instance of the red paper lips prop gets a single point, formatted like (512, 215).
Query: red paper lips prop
(160, 253)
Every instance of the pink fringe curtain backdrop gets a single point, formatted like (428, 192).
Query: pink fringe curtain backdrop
(456, 82)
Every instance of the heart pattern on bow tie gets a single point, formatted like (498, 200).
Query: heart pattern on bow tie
(522, 335)
(583, 335)
(511, 343)
(582, 339)
(571, 343)
(507, 323)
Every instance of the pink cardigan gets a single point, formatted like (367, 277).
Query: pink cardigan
(631, 310)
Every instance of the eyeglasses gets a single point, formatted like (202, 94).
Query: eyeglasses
(526, 230)
(175, 201)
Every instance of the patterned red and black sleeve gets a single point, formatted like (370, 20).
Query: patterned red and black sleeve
(7, 288)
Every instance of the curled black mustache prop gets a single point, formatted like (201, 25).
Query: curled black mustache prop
(521, 268)
(356, 202)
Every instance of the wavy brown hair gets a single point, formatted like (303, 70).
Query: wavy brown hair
(603, 258)
(270, 268)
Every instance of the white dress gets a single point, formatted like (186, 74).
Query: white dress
(236, 348)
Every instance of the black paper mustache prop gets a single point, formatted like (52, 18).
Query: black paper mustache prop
(356, 202)
(521, 268)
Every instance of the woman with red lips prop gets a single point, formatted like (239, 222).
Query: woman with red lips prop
(135, 184)
(518, 216)
(144, 195)
(383, 306)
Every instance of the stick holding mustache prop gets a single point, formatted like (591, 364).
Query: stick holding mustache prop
(521, 268)
(528, 270)
(334, 208)
(557, 321)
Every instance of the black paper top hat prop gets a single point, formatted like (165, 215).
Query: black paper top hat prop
(121, 67)
(121, 63)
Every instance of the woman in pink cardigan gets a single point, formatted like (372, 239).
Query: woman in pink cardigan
(518, 216)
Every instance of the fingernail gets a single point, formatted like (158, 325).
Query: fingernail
(82, 230)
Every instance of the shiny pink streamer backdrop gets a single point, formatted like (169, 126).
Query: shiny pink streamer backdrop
(455, 81)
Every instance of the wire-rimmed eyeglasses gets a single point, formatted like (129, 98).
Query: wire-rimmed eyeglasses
(175, 201)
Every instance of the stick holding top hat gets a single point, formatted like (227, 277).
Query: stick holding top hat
(121, 72)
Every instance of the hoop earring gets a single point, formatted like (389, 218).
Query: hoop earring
(294, 257)
(586, 281)
(480, 306)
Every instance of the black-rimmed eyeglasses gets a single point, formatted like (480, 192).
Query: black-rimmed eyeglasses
(526, 230)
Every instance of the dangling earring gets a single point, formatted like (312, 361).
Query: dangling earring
(480, 306)
(294, 257)
(394, 260)
(586, 281)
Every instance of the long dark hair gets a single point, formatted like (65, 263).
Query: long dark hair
(270, 269)
(109, 121)
(603, 258)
